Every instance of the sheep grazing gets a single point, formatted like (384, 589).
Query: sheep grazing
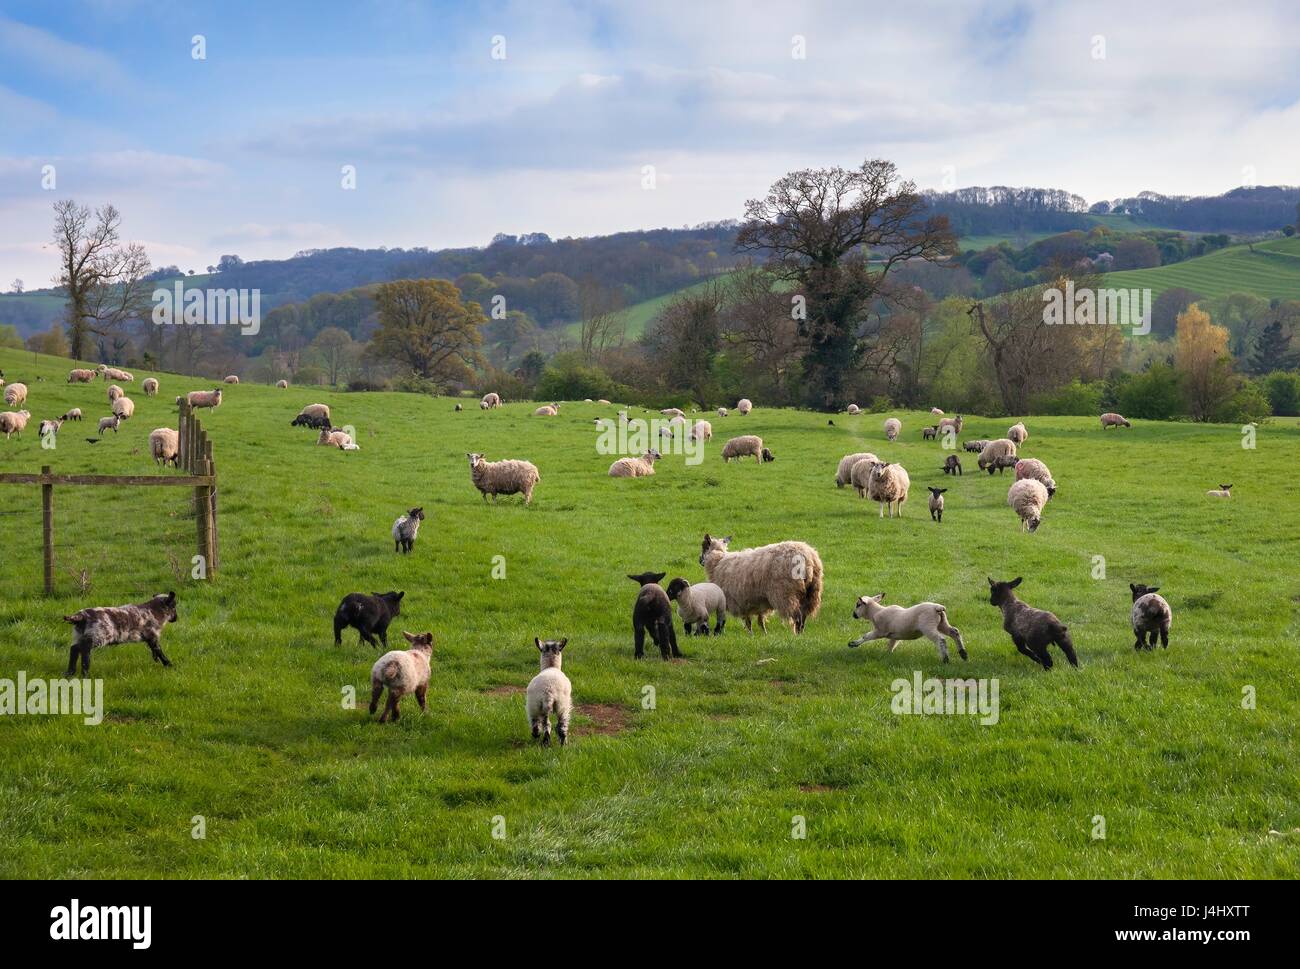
(888, 485)
(1018, 433)
(936, 504)
(490, 401)
(112, 625)
(975, 447)
(854, 410)
(108, 424)
(550, 692)
(1027, 497)
(49, 429)
(860, 475)
(641, 467)
(1032, 630)
(547, 410)
(746, 446)
(785, 578)
(114, 392)
(405, 528)
(1151, 615)
(72, 415)
(955, 423)
(14, 422)
(76, 376)
(896, 623)
(998, 456)
(16, 395)
(507, 477)
(930, 433)
(701, 431)
(1223, 491)
(603, 401)
(952, 465)
(744, 406)
(401, 671)
(112, 373)
(459, 408)
(282, 385)
(124, 408)
(334, 437)
(893, 427)
(165, 446)
(1113, 420)
(652, 612)
(722, 412)
(845, 468)
(315, 416)
(1032, 468)
(231, 379)
(936, 412)
(673, 412)
(150, 386)
(203, 398)
(369, 615)
(695, 603)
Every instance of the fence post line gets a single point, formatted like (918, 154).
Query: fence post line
(47, 530)
(182, 409)
(210, 509)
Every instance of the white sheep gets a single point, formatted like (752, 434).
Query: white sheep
(550, 692)
(333, 437)
(722, 412)
(747, 445)
(108, 424)
(72, 415)
(1018, 433)
(854, 409)
(78, 376)
(547, 410)
(114, 392)
(150, 386)
(603, 401)
(998, 455)
(701, 431)
(785, 577)
(860, 474)
(402, 671)
(489, 401)
(312, 412)
(936, 412)
(893, 427)
(16, 394)
(896, 623)
(695, 603)
(1033, 468)
(956, 423)
(231, 379)
(673, 412)
(164, 445)
(282, 385)
(1027, 497)
(124, 407)
(1223, 491)
(846, 466)
(744, 405)
(1113, 420)
(203, 398)
(888, 485)
(14, 422)
(508, 477)
(635, 467)
(112, 373)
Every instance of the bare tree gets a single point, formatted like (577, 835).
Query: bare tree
(16, 287)
(602, 322)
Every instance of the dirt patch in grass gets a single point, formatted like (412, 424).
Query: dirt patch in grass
(505, 689)
(606, 718)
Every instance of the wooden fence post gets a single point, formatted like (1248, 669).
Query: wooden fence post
(214, 543)
(47, 530)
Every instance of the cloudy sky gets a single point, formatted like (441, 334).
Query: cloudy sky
(242, 151)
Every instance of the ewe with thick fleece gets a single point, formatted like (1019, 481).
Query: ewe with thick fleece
(164, 445)
(744, 406)
(722, 412)
(854, 409)
(112, 373)
(846, 466)
(14, 422)
(641, 467)
(232, 379)
(785, 577)
(936, 412)
(77, 376)
(203, 398)
(701, 431)
(313, 412)
(696, 602)
(745, 446)
(402, 671)
(893, 427)
(1038, 471)
(16, 395)
(1151, 616)
(860, 474)
(673, 412)
(895, 623)
(507, 477)
(1018, 433)
(150, 386)
(333, 437)
(550, 692)
(548, 410)
(124, 408)
(1113, 420)
(888, 485)
(282, 385)
(1027, 497)
(490, 401)
(114, 392)
(998, 455)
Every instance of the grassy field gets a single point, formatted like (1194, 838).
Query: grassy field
(748, 734)
(1271, 271)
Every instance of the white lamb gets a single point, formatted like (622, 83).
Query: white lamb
(402, 671)
(895, 623)
(1223, 491)
(550, 692)
(695, 603)
(1028, 497)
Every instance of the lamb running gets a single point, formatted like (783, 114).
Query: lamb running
(696, 602)
(652, 612)
(1032, 630)
(550, 692)
(108, 424)
(111, 625)
(1151, 615)
(369, 615)
(895, 623)
(936, 504)
(406, 528)
(402, 671)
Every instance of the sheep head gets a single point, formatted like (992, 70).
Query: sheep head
(676, 587)
(647, 578)
(1141, 590)
(1000, 592)
(422, 641)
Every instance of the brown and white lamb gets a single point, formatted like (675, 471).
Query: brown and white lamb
(401, 671)
(110, 625)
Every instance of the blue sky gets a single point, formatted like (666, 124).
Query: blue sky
(242, 151)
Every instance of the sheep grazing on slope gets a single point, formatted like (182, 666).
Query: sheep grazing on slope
(975, 447)
(1113, 420)
(1032, 630)
(124, 407)
(73, 415)
(744, 406)
(955, 423)
(845, 469)
(282, 385)
(936, 412)
(746, 446)
(231, 379)
(547, 410)
(112, 373)
(314, 416)
(893, 427)
(930, 433)
(114, 392)
(406, 528)
(402, 671)
(952, 465)
(895, 623)
(701, 431)
(936, 504)
(108, 424)
(888, 485)
(82, 376)
(854, 409)
(14, 422)
(722, 412)
(785, 578)
(112, 625)
(490, 401)
(641, 467)
(1038, 471)
(507, 477)
(550, 692)
(203, 398)
(369, 615)
(150, 386)
(1223, 491)
(334, 437)
(16, 395)
(1028, 497)
(1151, 616)
(652, 613)
(696, 602)
(164, 445)
(1018, 433)
(998, 456)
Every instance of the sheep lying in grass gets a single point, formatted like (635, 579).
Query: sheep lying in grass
(1113, 420)
(314, 416)
(785, 577)
(406, 528)
(652, 613)
(952, 465)
(976, 446)
(893, 427)
(16, 395)
(401, 671)
(1027, 497)
(1038, 471)
(673, 412)
(231, 379)
(936, 412)
(547, 410)
(936, 504)
(1223, 491)
(334, 437)
(745, 446)
(888, 485)
(370, 615)
(696, 602)
(108, 424)
(112, 625)
(1018, 433)
(14, 422)
(507, 477)
(490, 401)
(1151, 616)
(73, 415)
(124, 408)
(845, 468)
(112, 373)
(854, 410)
(164, 445)
(701, 431)
(150, 386)
(1032, 630)
(550, 692)
(203, 398)
(77, 376)
(744, 406)
(998, 456)
(896, 623)
(635, 467)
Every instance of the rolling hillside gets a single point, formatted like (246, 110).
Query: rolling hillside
(1272, 270)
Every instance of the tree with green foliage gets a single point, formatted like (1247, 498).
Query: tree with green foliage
(1155, 395)
(333, 344)
(9, 337)
(1273, 350)
(424, 326)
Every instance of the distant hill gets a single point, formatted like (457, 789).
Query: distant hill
(1271, 270)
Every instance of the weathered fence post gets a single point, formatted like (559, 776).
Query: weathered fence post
(47, 529)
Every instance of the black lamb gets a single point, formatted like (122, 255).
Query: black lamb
(1031, 629)
(367, 614)
(653, 612)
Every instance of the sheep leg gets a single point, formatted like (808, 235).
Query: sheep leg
(562, 726)
(1066, 646)
(420, 691)
(72, 661)
(339, 625)
(955, 633)
(882, 509)
(546, 729)
(1024, 649)
(943, 646)
(864, 638)
(762, 623)
(1164, 637)
(639, 637)
(749, 628)
(672, 640)
(1044, 656)
(1141, 643)
(537, 727)
(390, 708)
(719, 623)
(383, 636)
(156, 648)
(397, 545)
(376, 692)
